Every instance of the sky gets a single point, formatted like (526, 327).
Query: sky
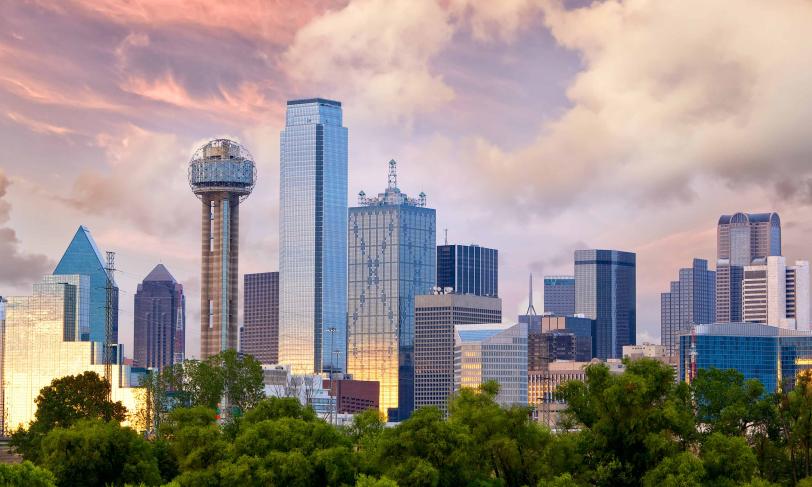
(534, 126)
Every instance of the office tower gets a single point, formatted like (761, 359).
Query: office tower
(776, 294)
(492, 352)
(559, 295)
(36, 351)
(353, 396)
(313, 237)
(435, 316)
(741, 239)
(259, 335)
(221, 175)
(605, 291)
(798, 305)
(582, 328)
(82, 257)
(691, 301)
(468, 269)
(392, 249)
(159, 328)
(775, 356)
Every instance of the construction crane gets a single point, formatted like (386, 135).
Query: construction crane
(109, 346)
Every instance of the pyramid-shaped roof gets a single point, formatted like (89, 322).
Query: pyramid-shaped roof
(160, 274)
(82, 246)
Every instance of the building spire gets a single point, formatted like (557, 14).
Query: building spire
(531, 310)
(393, 174)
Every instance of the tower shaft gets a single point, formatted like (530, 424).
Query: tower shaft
(219, 272)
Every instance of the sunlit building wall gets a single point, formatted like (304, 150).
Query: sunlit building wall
(392, 259)
(313, 237)
(35, 349)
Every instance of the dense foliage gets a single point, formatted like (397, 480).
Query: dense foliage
(639, 428)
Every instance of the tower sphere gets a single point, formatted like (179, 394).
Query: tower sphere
(222, 165)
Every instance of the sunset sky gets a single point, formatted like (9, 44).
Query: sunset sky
(535, 127)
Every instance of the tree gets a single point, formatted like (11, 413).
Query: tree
(26, 474)
(97, 453)
(63, 403)
(682, 470)
(728, 461)
(795, 414)
(630, 421)
(725, 402)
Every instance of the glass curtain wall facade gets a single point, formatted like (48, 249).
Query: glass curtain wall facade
(159, 328)
(313, 238)
(691, 301)
(36, 351)
(435, 318)
(559, 295)
(468, 269)
(773, 355)
(605, 291)
(259, 336)
(742, 239)
(83, 257)
(392, 259)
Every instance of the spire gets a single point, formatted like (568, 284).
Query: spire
(393, 174)
(531, 311)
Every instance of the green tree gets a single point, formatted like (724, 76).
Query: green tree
(682, 470)
(728, 460)
(725, 402)
(26, 474)
(97, 453)
(630, 421)
(795, 416)
(63, 403)
(366, 481)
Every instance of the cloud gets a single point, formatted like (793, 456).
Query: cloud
(17, 268)
(37, 125)
(376, 55)
(500, 20)
(669, 92)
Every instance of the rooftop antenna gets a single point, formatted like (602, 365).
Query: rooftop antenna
(531, 311)
(109, 351)
(393, 174)
(446, 235)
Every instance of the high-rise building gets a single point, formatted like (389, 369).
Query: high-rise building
(605, 291)
(392, 259)
(40, 344)
(691, 301)
(492, 352)
(559, 295)
(435, 318)
(468, 269)
(775, 356)
(582, 328)
(82, 257)
(159, 328)
(313, 237)
(222, 174)
(776, 294)
(741, 239)
(259, 335)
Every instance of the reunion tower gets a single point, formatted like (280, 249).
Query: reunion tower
(221, 174)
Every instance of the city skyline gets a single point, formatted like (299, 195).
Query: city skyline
(66, 170)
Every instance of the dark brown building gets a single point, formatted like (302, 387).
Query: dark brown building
(354, 396)
(259, 335)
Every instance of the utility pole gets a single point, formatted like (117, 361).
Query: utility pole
(109, 354)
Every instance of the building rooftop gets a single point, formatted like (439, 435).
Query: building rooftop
(745, 329)
(160, 274)
(305, 101)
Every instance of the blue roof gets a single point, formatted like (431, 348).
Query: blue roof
(478, 335)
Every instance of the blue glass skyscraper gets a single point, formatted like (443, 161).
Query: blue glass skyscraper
(392, 249)
(313, 237)
(605, 291)
(691, 301)
(82, 257)
(468, 269)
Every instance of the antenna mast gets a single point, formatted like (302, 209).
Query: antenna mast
(393, 174)
(531, 310)
(109, 354)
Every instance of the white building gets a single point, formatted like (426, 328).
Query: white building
(307, 388)
(773, 292)
(492, 352)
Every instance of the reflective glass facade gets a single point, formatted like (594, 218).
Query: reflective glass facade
(559, 295)
(690, 301)
(35, 351)
(606, 291)
(259, 335)
(392, 259)
(159, 328)
(313, 237)
(770, 354)
(83, 257)
(468, 269)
